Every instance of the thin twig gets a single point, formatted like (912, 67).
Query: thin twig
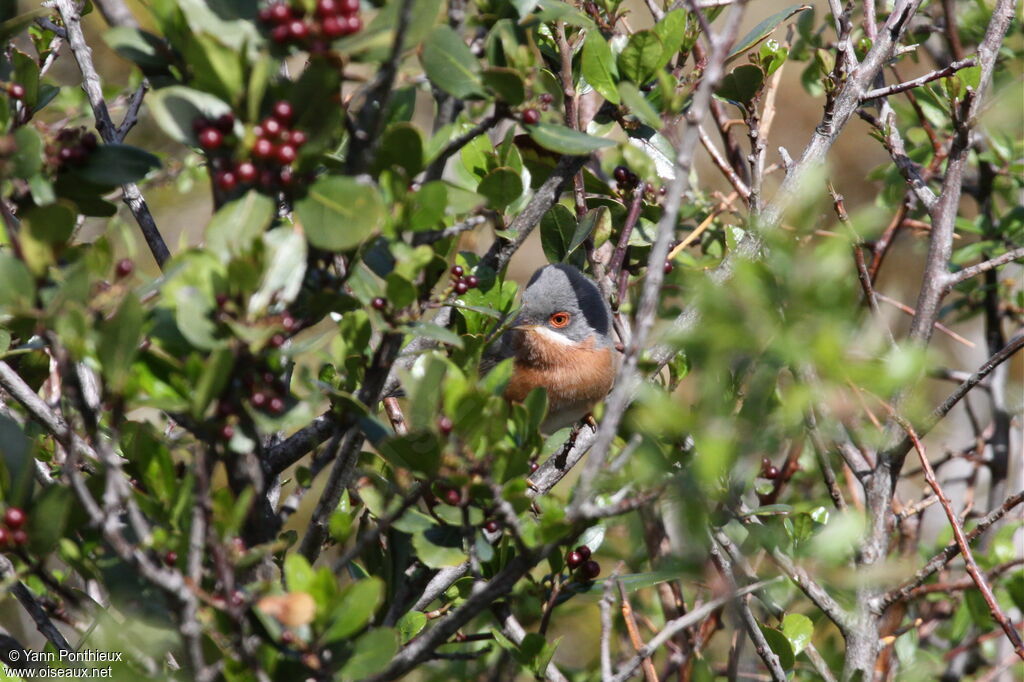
(974, 270)
(920, 80)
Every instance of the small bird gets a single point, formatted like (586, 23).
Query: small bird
(560, 341)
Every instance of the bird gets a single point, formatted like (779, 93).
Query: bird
(560, 341)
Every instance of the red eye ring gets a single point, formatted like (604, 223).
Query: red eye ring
(559, 320)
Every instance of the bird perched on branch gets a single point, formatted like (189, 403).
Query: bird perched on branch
(560, 341)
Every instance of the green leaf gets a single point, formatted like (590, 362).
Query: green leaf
(640, 58)
(780, 645)
(15, 25)
(741, 85)
(501, 186)
(798, 629)
(671, 29)
(119, 341)
(373, 652)
(213, 380)
(599, 67)
(48, 518)
(51, 224)
(340, 212)
(175, 108)
(28, 155)
(450, 65)
(17, 288)
(354, 608)
(557, 228)
(116, 164)
(217, 68)
(638, 104)
(235, 227)
(506, 83)
(763, 30)
(439, 546)
(437, 333)
(283, 276)
(401, 146)
(427, 206)
(563, 140)
(145, 50)
(590, 221)
(410, 625)
(298, 574)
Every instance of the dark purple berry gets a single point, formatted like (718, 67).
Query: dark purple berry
(283, 111)
(453, 497)
(246, 172)
(591, 570)
(573, 560)
(491, 526)
(472, 281)
(445, 425)
(14, 518)
(200, 124)
(461, 287)
(210, 138)
(534, 466)
(546, 98)
(457, 271)
(124, 268)
(584, 552)
(379, 303)
(621, 174)
(668, 267)
(171, 558)
(226, 123)
(89, 142)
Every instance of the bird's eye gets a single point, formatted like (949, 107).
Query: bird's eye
(559, 320)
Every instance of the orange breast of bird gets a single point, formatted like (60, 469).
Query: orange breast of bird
(574, 375)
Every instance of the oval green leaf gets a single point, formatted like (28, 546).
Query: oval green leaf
(450, 65)
(340, 212)
(599, 66)
(566, 141)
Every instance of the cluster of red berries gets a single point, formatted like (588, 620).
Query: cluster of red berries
(332, 19)
(461, 283)
(579, 560)
(15, 90)
(71, 148)
(275, 149)
(12, 533)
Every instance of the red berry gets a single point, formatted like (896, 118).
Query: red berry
(491, 526)
(772, 473)
(171, 558)
(263, 148)
(89, 142)
(621, 174)
(286, 154)
(258, 399)
(124, 267)
(280, 34)
(453, 497)
(298, 138)
(298, 30)
(573, 560)
(14, 518)
(533, 467)
(280, 13)
(5, 538)
(65, 154)
(226, 123)
(210, 138)
(334, 27)
(668, 267)
(379, 303)
(277, 340)
(461, 287)
(457, 271)
(286, 176)
(283, 111)
(591, 570)
(19, 537)
(276, 405)
(472, 281)
(264, 14)
(584, 552)
(226, 180)
(325, 8)
(287, 637)
(288, 322)
(531, 117)
(271, 127)
(546, 98)
(445, 425)
(355, 24)
(246, 172)
(200, 124)
(349, 6)
(227, 431)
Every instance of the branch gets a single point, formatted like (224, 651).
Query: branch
(436, 167)
(674, 626)
(920, 80)
(432, 236)
(962, 542)
(979, 268)
(34, 609)
(515, 631)
(628, 376)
